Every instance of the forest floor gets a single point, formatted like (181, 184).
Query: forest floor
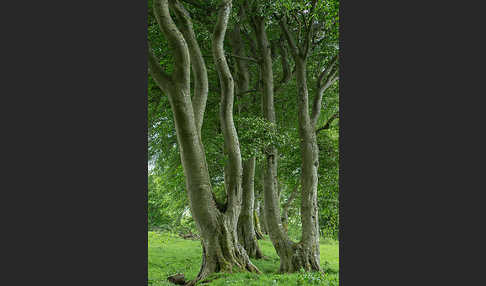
(169, 254)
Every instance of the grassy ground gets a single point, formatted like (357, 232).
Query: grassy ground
(169, 254)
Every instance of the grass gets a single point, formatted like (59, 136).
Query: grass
(168, 254)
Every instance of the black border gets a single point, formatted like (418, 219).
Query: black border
(76, 157)
(75, 143)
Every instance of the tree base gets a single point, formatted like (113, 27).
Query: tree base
(247, 237)
(296, 256)
(223, 253)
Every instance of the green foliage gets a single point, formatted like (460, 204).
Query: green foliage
(328, 188)
(157, 204)
(258, 135)
(168, 254)
(166, 200)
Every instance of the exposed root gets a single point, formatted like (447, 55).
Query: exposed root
(295, 256)
(178, 279)
(223, 253)
(247, 238)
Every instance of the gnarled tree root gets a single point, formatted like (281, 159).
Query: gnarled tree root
(297, 256)
(223, 253)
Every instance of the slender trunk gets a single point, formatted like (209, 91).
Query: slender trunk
(263, 221)
(305, 254)
(285, 219)
(283, 245)
(310, 163)
(246, 227)
(256, 210)
(307, 250)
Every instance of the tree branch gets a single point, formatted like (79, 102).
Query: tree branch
(321, 88)
(292, 197)
(331, 79)
(289, 37)
(246, 92)
(231, 142)
(242, 76)
(309, 31)
(287, 73)
(176, 41)
(252, 42)
(316, 108)
(328, 122)
(196, 4)
(198, 65)
(242, 57)
(327, 70)
(162, 79)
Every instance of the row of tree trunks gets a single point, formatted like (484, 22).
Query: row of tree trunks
(282, 243)
(304, 254)
(221, 236)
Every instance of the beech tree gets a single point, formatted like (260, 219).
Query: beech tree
(306, 252)
(218, 227)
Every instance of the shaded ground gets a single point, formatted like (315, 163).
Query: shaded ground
(169, 254)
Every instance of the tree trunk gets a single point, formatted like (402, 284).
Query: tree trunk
(283, 245)
(285, 219)
(258, 229)
(222, 251)
(308, 248)
(310, 163)
(263, 221)
(246, 227)
(305, 254)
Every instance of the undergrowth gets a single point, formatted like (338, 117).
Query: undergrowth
(169, 254)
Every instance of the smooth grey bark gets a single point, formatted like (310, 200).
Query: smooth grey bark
(221, 249)
(246, 227)
(308, 249)
(231, 144)
(256, 216)
(197, 62)
(246, 223)
(260, 209)
(287, 73)
(304, 254)
(284, 247)
(263, 221)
